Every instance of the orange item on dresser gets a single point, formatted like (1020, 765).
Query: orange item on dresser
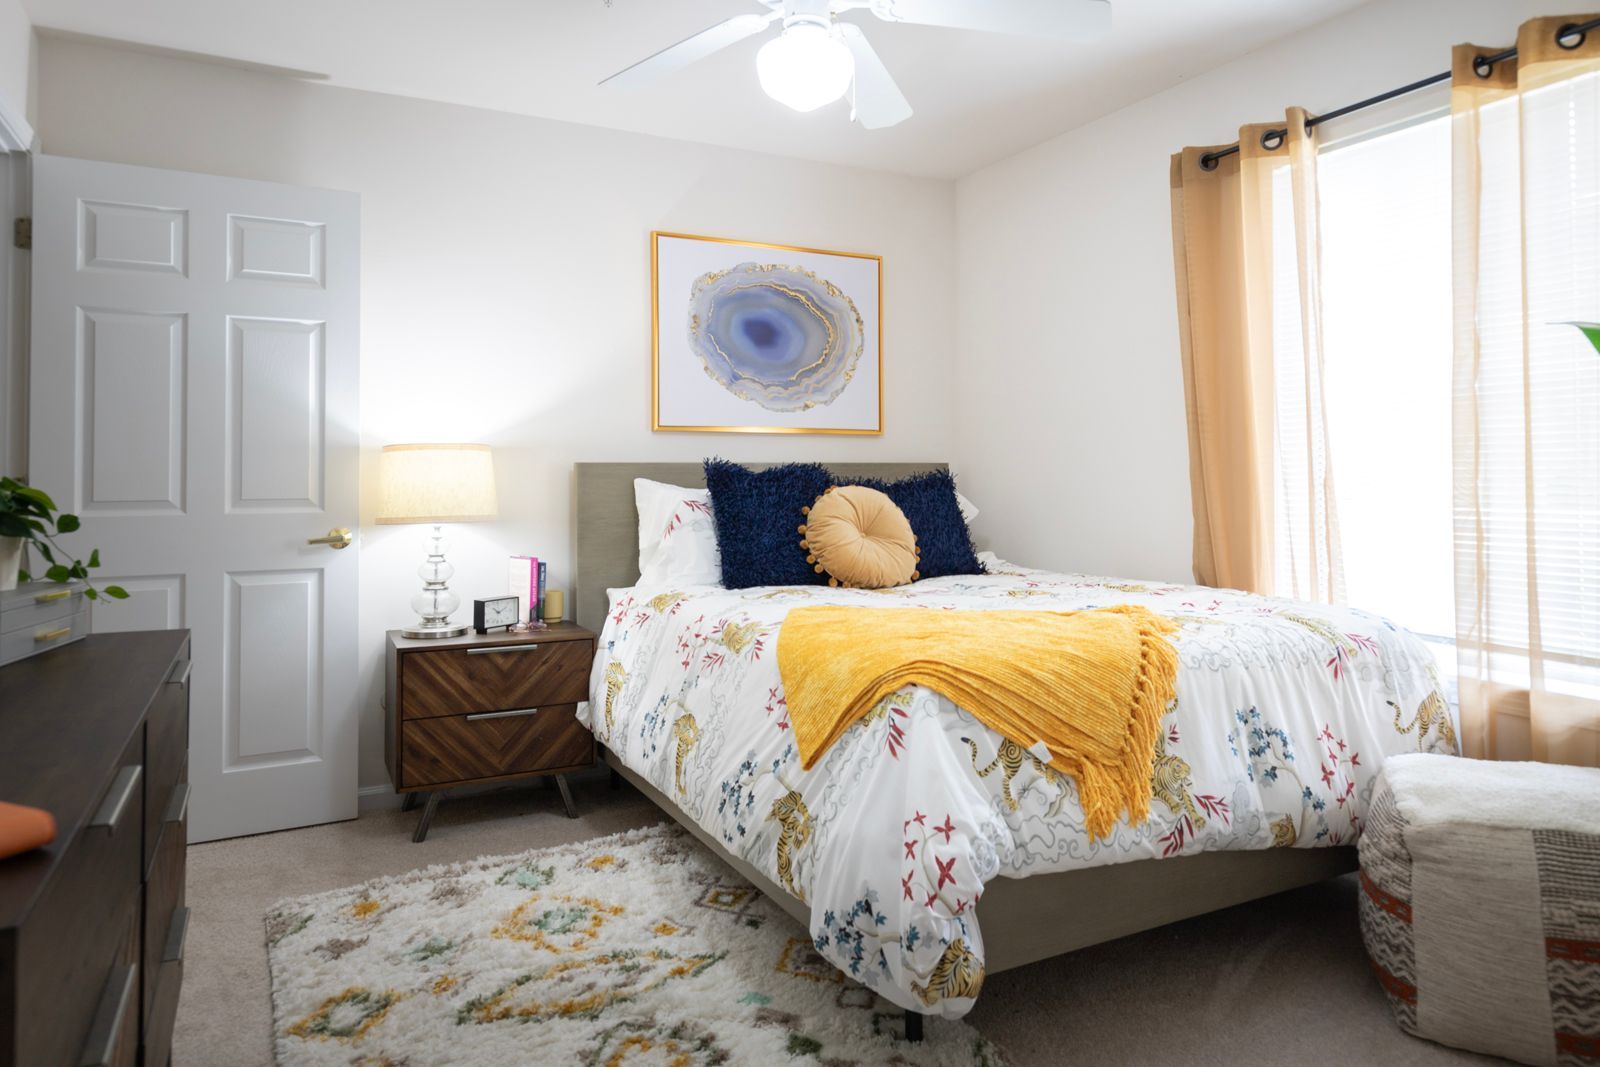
(23, 828)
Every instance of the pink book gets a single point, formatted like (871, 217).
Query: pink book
(525, 585)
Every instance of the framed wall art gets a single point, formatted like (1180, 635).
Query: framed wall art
(762, 338)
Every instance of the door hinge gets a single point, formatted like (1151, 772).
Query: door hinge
(22, 233)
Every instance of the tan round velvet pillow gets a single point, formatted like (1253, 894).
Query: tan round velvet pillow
(860, 538)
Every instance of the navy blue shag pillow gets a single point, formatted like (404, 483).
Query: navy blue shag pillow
(758, 521)
(929, 503)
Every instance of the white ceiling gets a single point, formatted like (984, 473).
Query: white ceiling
(978, 97)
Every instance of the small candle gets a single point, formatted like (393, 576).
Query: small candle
(555, 605)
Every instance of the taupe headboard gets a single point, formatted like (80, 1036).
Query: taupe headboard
(606, 534)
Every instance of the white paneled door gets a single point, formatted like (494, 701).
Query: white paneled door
(193, 393)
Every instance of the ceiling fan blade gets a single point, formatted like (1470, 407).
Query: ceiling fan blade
(1035, 18)
(675, 57)
(878, 100)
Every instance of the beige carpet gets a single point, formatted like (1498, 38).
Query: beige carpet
(1282, 980)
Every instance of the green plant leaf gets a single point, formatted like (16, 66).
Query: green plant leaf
(91, 594)
(94, 558)
(67, 523)
(116, 592)
(14, 526)
(44, 550)
(1591, 330)
(78, 569)
(23, 576)
(58, 573)
(38, 496)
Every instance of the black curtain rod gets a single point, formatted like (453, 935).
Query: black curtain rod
(1570, 36)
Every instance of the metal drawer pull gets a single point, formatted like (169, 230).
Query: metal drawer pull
(502, 648)
(177, 934)
(100, 1050)
(122, 790)
(51, 635)
(180, 673)
(178, 806)
(520, 712)
(47, 598)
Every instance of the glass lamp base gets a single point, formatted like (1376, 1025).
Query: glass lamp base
(425, 632)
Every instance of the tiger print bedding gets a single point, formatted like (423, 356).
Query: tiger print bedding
(1283, 716)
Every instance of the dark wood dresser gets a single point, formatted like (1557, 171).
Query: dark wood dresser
(92, 926)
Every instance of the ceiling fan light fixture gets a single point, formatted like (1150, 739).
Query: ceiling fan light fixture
(805, 67)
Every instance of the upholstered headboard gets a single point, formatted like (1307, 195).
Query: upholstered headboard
(606, 524)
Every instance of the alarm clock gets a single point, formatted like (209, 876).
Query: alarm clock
(492, 612)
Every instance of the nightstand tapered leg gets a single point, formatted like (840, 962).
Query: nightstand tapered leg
(427, 815)
(409, 801)
(566, 796)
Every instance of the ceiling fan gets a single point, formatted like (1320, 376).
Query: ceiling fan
(817, 59)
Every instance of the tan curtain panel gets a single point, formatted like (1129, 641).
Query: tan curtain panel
(1247, 261)
(1526, 158)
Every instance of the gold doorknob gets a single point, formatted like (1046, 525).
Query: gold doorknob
(338, 537)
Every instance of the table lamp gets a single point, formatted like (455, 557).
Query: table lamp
(435, 484)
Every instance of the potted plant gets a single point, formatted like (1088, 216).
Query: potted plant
(29, 517)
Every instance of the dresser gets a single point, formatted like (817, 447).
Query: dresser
(486, 708)
(92, 926)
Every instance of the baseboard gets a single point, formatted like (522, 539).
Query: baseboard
(377, 798)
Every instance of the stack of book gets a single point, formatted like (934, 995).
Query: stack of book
(527, 584)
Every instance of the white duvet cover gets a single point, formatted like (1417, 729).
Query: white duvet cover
(1284, 714)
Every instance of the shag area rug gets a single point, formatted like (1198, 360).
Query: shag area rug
(637, 949)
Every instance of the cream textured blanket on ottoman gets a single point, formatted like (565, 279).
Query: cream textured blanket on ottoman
(1480, 904)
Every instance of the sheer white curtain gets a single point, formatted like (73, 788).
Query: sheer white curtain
(1526, 147)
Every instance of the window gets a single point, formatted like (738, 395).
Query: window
(1386, 307)
(1387, 311)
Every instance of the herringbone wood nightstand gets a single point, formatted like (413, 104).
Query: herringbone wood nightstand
(485, 708)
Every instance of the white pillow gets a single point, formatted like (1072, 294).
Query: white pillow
(969, 510)
(677, 537)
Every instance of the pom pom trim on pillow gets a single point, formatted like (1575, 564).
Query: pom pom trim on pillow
(859, 538)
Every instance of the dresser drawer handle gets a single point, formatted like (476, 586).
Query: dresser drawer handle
(177, 934)
(502, 648)
(51, 635)
(100, 1050)
(50, 598)
(178, 806)
(122, 790)
(180, 673)
(519, 713)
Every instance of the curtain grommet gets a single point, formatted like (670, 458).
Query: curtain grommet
(1272, 140)
(1208, 162)
(1482, 66)
(1570, 32)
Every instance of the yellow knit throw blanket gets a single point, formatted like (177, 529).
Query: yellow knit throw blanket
(1092, 685)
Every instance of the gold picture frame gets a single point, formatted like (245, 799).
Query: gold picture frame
(661, 425)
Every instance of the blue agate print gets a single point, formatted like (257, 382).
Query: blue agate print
(775, 335)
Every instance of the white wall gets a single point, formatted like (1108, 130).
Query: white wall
(16, 59)
(505, 281)
(1072, 435)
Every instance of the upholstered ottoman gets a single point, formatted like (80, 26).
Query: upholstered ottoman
(1480, 904)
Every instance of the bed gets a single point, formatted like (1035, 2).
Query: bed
(921, 855)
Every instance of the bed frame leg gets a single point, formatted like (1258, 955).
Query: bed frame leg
(913, 1026)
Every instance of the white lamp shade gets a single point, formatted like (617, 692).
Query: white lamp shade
(436, 483)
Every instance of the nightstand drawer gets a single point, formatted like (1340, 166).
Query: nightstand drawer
(451, 681)
(441, 751)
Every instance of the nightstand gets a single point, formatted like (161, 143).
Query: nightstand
(485, 708)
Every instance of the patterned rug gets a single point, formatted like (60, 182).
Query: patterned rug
(640, 948)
